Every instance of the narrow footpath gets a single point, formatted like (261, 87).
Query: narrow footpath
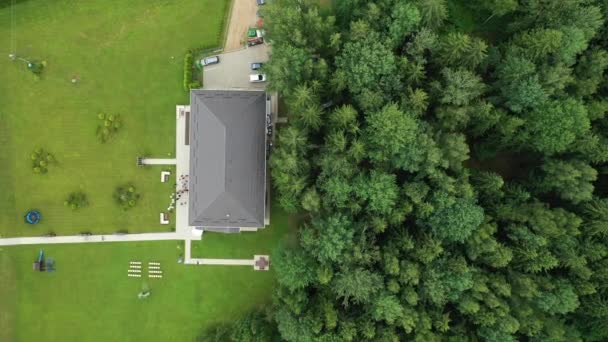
(46, 240)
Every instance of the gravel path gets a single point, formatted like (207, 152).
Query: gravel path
(242, 17)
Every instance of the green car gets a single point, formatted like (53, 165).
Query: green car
(252, 32)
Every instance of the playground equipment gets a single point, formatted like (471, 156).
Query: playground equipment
(39, 264)
(49, 264)
(32, 217)
(43, 264)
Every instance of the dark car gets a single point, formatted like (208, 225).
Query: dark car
(256, 65)
(261, 2)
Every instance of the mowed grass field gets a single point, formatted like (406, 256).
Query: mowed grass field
(128, 58)
(90, 298)
(245, 245)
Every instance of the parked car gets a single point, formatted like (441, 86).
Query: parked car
(255, 41)
(210, 60)
(261, 2)
(256, 78)
(256, 65)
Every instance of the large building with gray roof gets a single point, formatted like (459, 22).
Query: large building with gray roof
(227, 177)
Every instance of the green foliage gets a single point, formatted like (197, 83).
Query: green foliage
(76, 200)
(41, 160)
(305, 107)
(388, 309)
(405, 19)
(188, 65)
(328, 238)
(572, 180)
(109, 126)
(195, 85)
(454, 219)
(356, 286)
(458, 49)
(368, 66)
(455, 149)
(451, 190)
(289, 167)
(126, 196)
(560, 298)
(433, 12)
(288, 68)
(379, 190)
(497, 7)
(294, 268)
(553, 127)
(461, 87)
(253, 327)
(36, 67)
(519, 84)
(391, 137)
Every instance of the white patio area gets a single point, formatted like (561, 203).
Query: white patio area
(182, 156)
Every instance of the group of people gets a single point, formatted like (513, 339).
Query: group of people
(183, 179)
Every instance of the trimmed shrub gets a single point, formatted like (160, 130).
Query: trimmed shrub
(126, 196)
(194, 85)
(108, 127)
(36, 67)
(41, 160)
(76, 200)
(188, 59)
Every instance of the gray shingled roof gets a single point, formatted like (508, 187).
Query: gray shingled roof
(227, 158)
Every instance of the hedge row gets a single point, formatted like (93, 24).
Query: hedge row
(189, 83)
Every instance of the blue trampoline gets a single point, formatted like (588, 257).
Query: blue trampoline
(32, 217)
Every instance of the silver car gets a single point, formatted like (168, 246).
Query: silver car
(210, 60)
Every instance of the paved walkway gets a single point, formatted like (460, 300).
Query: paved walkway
(225, 262)
(182, 154)
(155, 161)
(44, 240)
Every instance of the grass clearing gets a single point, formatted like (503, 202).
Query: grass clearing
(90, 298)
(128, 58)
(246, 244)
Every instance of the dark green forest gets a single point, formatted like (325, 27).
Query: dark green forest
(449, 161)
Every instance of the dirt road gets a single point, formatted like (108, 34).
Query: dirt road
(242, 17)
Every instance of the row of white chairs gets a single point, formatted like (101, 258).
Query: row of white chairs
(154, 267)
(135, 266)
(134, 271)
(134, 275)
(155, 272)
(135, 263)
(155, 275)
(154, 263)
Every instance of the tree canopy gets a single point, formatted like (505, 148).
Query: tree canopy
(455, 179)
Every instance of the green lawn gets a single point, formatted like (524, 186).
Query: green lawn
(246, 244)
(90, 298)
(128, 57)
